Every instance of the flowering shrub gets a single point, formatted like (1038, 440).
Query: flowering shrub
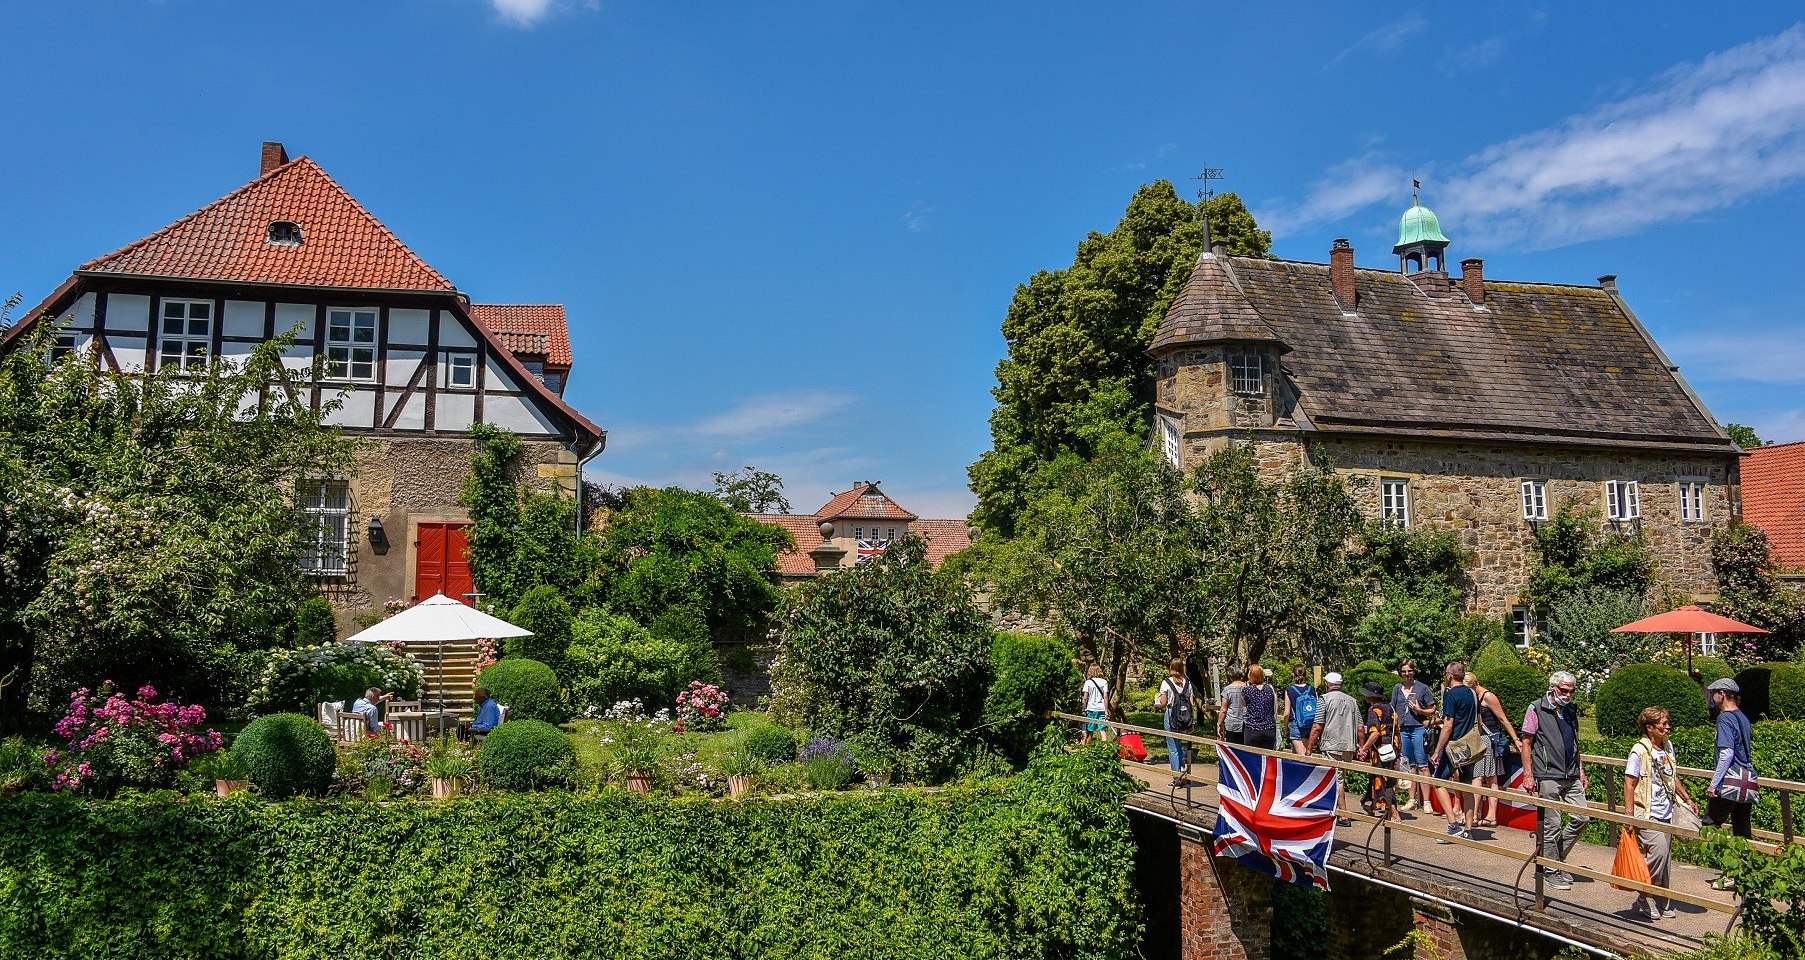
(829, 763)
(627, 711)
(392, 606)
(298, 679)
(701, 707)
(486, 654)
(114, 742)
(381, 765)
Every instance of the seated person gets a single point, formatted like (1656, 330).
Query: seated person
(488, 712)
(370, 705)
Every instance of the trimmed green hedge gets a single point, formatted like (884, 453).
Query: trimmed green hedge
(285, 754)
(1622, 697)
(1037, 866)
(1779, 753)
(528, 688)
(1773, 691)
(1517, 685)
(526, 755)
(1033, 674)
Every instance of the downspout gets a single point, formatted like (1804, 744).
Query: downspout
(595, 450)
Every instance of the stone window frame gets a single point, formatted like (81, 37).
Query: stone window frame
(1400, 519)
(329, 516)
(1695, 509)
(1533, 496)
(1622, 501)
(1171, 442)
(1243, 382)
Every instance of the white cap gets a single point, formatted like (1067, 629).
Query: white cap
(1331, 678)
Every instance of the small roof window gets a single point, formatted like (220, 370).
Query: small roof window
(285, 233)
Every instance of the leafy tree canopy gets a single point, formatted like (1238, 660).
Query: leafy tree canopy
(1749, 589)
(1573, 552)
(673, 548)
(520, 537)
(1077, 333)
(750, 490)
(149, 526)
(1744, 436)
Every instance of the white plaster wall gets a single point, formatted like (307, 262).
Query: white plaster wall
(125, 311)
(409, 326)
(401, 365)
(516, 414)
(454, 411)
(128, 351)
(413, 413)
(291, 315)
(244, 318)
(357, 410)
(454, 332)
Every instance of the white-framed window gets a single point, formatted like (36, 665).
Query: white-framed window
(1169, 443)
(889, 534)
(1707, 644)
(1622, 500)
(185, 339)
(326, 539)
(1692, 501)
(1394, 502)
(63, 345)
(460, 371)
(1525, 627)
(1247, 373)
(858, 533)
(1535, 499)
(350, 344)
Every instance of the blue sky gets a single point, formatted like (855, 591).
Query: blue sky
(786, 234)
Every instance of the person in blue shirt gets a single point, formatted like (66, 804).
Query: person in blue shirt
(488, 713)
(370, 707)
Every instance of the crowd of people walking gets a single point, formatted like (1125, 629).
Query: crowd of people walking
(1466, 737)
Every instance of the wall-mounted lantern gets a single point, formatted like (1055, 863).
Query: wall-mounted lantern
(378, 537)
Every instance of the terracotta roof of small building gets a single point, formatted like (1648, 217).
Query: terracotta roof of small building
(1773, 498)
(1539, 361)
(806, 531)
(342, 244)
(944, 537)
(538, 328)
(864, 501)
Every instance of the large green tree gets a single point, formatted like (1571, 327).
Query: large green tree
(751, 490)
(149, 526)
(1749, 589)
(520, 537)
(1077, 333)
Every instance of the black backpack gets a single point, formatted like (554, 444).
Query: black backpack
(1179, 711)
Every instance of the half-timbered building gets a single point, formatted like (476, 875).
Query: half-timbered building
(410, 363)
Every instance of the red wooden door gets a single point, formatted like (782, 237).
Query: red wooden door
(442, 561)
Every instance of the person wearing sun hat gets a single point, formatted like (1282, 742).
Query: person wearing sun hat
(1378, 748)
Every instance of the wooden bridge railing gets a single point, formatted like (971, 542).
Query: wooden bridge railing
(1544, 807)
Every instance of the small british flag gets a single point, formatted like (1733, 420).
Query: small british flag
(1277, 816)
(870, 550)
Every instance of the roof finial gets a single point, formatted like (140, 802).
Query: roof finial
(1204, 196)
(1416, 187)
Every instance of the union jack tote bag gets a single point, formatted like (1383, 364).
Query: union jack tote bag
(1739, 785)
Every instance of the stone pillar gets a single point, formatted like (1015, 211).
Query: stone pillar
(1225, 909)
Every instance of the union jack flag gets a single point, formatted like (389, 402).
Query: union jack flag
(1277, 816)
(870, 550)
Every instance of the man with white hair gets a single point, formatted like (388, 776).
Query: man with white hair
(1551, 769)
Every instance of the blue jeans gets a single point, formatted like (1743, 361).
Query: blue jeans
(1414, 754)
(1175, 751)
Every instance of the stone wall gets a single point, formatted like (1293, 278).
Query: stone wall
(405, 481)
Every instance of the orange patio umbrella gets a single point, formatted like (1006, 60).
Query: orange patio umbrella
(1689, 619)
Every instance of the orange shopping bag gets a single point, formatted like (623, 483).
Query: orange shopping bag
(1629, 864)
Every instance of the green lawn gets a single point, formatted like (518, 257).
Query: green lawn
(687, 756)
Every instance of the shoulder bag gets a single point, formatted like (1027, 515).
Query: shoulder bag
(1739, 784)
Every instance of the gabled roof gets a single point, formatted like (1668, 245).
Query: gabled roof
(863, 502)
(536, 327)
(806, 531)
(1211, 308)
(342, 245)
(1773, 498)
(1541, 362)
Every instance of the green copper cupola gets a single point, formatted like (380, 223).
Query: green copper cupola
(1421, 245)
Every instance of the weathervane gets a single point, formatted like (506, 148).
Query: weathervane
(1203, 198)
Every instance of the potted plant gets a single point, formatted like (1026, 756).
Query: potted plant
(448, 765)
(636, 754)
(878, 771)
(741, 765)
(229, 772)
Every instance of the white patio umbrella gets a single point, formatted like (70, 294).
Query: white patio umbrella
(435, 620)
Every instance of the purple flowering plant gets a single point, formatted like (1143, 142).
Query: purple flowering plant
(828, 762)
(112, 742)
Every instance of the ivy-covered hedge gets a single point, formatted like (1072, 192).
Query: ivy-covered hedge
(1036, 866)
(1779, 753)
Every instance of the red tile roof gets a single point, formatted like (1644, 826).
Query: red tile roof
(342, 245)
(1773, 498)
(864, 501)
(520, 323)
(944, 537)
(807, 533)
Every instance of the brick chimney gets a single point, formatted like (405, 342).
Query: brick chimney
(273, 156)
(1472, 277)
(1608, 282)
(1341, 273)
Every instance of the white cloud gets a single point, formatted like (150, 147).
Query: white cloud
(1347, 188)
(1703, 137)
(522, 13)
(919, 217)
(1769, 358)
(1782, 426)
(750, 419)
(1384, 38)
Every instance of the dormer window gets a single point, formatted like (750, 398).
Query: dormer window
(1247, 374)
(284, 233)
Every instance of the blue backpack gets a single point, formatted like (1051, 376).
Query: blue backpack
(1304, 716)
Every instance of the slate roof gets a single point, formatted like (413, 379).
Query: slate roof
(1773, 498)
(342, 245)
(538, 328)
(1541, 362)
(863, 502)
(1212, 308)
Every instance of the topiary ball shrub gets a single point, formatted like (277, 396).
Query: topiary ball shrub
(285, 754)
(1517, 685)
(1622, 696)
(1711, 668)
(545, 612)
(528, 688)
(1361, 673)
(526, 755)
(1492, 656)
(772, 744)
(1773, 691)
(1032, 675)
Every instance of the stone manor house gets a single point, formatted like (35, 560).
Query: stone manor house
(413, 362)
(1478, 404)
(856, 525)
